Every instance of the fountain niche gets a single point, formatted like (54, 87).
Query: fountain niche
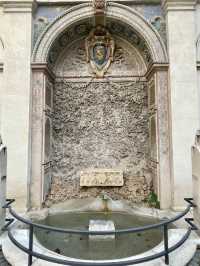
(100, 137)
(100, 117)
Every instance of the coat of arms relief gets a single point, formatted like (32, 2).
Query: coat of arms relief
(100, 50)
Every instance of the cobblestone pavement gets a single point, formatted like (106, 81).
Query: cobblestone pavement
(196, 259)
(194, 262)
(3, 262)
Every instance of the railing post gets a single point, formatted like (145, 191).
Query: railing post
(30, 260)
(166, 244)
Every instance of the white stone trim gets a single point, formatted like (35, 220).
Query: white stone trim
(115, 11)
(178, 5)
(18, 7)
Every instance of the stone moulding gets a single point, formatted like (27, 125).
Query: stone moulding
(156, 67)
(178, 5)
(36, 67)
(26, 6)
(115, 11)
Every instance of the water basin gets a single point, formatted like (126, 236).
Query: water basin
(82, 247)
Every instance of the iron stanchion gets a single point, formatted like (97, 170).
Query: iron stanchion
(166, 244)
(30, 258)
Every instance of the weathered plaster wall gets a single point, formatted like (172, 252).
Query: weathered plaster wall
(100, 125)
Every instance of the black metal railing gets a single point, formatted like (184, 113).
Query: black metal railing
(121, 262)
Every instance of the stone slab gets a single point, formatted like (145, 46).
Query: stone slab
(101, 178)
(101, 225)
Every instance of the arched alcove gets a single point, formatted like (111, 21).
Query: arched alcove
(103, 122)
(71, 61)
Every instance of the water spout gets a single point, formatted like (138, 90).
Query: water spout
(105, 200)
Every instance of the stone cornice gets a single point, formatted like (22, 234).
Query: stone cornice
(17, 6)
(155, 67)
(178, 5)
(37, 67)
(138, 2)
(1, 67)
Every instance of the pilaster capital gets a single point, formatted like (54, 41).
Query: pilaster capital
(178, 5)
(18, 6)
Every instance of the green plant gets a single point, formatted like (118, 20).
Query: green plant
(152, 200)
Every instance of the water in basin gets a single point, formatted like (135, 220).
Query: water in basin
(82, 247)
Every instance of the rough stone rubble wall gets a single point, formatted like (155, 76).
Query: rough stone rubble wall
(100, 125)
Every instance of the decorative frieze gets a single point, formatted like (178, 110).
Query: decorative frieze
(101, 178)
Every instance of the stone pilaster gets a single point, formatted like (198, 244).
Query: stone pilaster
(17, 18)
(180, 18)
(159, 110)
(42, 80)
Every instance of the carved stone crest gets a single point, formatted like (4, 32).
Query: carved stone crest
(100, 50)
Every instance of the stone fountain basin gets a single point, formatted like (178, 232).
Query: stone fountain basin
(179, 257)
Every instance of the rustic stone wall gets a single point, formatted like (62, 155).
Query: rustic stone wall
(100, 125)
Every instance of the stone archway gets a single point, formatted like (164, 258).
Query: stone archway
(115, 11)
(153, 51)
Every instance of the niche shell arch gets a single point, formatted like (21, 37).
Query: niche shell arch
(114, 11)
